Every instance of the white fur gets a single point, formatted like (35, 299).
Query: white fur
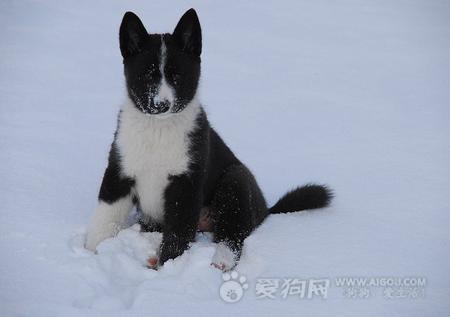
(224, 258)
(151, 148)
(107, 221)
(165, 91)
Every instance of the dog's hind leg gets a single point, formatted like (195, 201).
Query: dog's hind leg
(238, 207)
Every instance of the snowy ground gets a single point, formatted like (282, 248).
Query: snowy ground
(360, 90)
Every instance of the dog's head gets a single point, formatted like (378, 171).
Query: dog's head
(162, 71)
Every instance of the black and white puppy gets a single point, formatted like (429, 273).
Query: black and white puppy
(167, 160)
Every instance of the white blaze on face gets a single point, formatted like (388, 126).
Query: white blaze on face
(165, 91)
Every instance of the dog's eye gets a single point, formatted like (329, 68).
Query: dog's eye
(174, 76)
(172, 72)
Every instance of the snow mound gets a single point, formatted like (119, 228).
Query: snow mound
(118, 276)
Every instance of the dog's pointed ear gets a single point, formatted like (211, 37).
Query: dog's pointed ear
(188, 33)
(132, 35)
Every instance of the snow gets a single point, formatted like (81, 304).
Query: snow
(354, 94)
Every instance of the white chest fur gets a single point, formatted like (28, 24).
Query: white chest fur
(153, 148)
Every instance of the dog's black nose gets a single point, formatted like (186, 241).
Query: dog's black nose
(163, 106)
(159, 107)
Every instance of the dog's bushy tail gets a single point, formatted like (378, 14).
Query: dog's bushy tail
(310, 196)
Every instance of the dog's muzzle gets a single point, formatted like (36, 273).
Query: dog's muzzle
(159, 107)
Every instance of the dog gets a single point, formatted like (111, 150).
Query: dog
(168, 162)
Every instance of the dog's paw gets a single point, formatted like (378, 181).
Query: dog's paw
(153, 262)
(224, 258)
(94, 237)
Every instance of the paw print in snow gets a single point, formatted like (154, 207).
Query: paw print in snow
(233, 287)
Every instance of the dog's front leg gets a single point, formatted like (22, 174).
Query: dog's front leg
(182, 210)
(115, 201)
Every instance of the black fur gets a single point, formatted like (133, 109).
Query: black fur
(306, 197)
(216, 178)
(114, 186)
(142, 56)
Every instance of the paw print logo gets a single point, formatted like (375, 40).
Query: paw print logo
(233, 287)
